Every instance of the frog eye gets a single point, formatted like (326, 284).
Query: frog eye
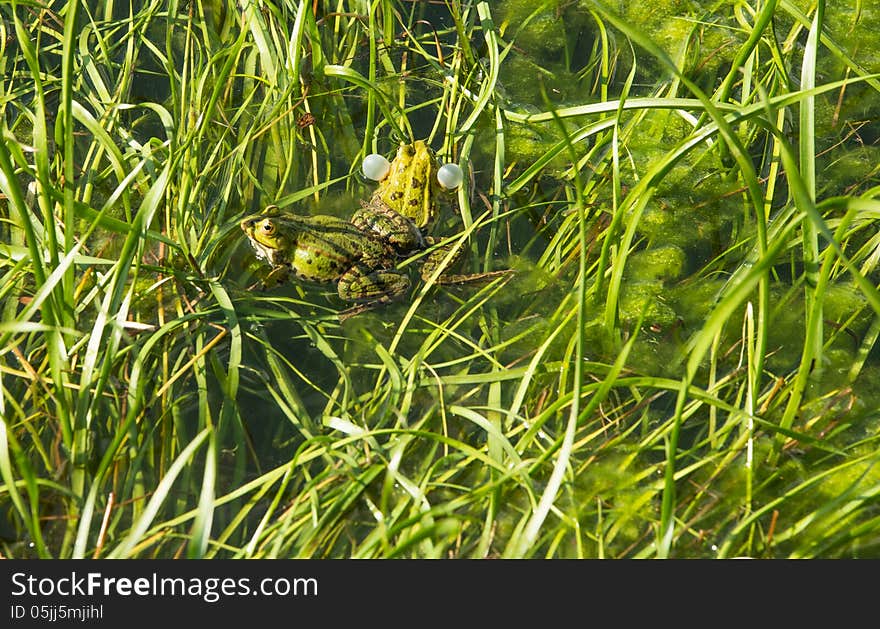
(375, 167)
(450, 176)
(268, 228)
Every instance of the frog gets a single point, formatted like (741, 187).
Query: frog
(361, 254)
(412, 187)
(323, 249)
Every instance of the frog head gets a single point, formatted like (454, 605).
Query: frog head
(271, 234)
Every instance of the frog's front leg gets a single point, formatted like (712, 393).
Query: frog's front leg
(373, 287)
(278, 275)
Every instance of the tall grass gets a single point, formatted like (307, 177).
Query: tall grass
(682, 364)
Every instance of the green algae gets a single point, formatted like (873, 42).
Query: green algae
(645, 299)
(853, 25)
(697, 36)
(540, 30)
(666, 262)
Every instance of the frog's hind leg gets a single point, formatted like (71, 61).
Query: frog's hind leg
(370, 287)
(465, 278)
(435, 259)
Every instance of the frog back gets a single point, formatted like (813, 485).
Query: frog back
(410, 187)
(329, 248)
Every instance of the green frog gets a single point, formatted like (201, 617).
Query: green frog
(412, 187)
(330, 249)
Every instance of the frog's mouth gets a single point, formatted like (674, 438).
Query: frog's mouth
(272, 256)
(263, 252)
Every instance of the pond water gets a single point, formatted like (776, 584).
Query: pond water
(644, 362)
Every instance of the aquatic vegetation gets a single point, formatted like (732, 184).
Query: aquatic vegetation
(683, 362)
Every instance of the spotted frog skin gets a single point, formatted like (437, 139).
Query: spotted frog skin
(411, 190)
(329, 249)
(411, 187)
